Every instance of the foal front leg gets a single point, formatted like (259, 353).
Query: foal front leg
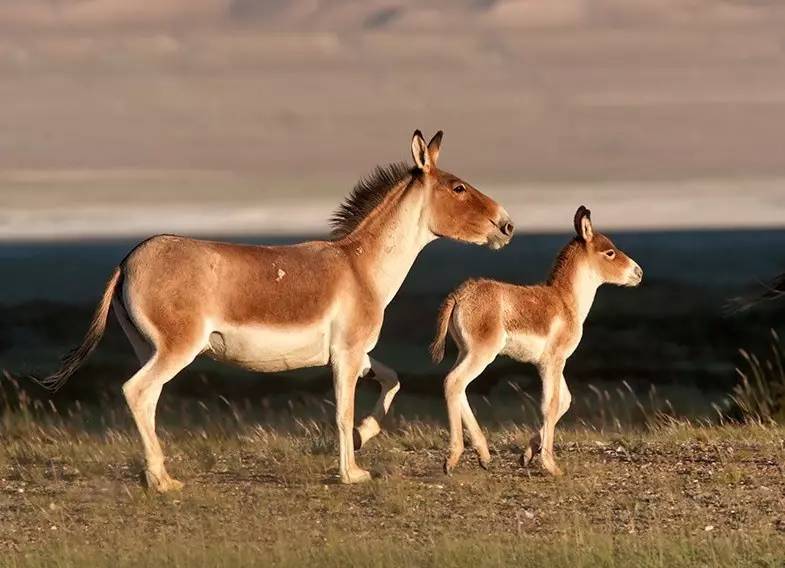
(535, 442)
(346, 370)
(551, 389)
(388, 380)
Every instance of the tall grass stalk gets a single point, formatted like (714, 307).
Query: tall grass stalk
(760, 394)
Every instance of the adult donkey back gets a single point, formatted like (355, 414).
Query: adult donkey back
(287, 307)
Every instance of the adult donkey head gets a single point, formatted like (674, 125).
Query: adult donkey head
(455, 208)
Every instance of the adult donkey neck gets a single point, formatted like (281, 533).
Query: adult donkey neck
(386, 243)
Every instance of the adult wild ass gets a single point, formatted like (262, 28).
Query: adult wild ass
(287, 307)
(532, 324)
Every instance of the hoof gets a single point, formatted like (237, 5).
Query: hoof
(447, 467)
(358, 440)
(163, 484)
(527, 457)
(453, 457)
(355, 476)
(173, 485)
(484, 462)
(553, 469)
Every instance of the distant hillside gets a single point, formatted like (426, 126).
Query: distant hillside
(441, 16)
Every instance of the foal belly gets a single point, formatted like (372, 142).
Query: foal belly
(269, 348)
(525, 348)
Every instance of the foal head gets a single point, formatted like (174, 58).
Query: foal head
(608, 263)
(455, 208)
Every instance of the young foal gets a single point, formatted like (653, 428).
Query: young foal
(535, 324)
(287, 307)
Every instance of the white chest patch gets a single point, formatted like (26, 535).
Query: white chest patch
(524, 347)
(271, 348)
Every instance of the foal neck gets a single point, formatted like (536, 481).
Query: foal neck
(388, 241)
(575, 280)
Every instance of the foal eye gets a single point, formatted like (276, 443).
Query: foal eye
(459, 188)
(610, 254)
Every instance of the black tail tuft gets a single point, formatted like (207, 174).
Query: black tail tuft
(74, 359)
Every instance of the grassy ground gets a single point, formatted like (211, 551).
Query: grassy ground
(663, 495)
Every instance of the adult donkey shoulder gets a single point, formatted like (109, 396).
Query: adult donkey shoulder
(286, 307)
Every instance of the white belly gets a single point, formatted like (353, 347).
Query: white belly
(525, 348)
(271, 348)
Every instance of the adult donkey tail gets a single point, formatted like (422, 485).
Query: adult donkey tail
(443, 323)
(74, 359)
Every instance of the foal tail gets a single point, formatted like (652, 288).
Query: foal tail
(443, 323)
(74, 359)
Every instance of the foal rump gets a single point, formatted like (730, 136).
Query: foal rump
(74, 358)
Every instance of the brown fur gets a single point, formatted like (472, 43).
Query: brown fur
(541, 324)
(284, 307)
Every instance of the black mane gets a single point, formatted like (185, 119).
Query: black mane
(369, 192)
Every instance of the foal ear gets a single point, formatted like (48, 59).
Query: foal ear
(583, 224)
(420, 152)
(434, 146)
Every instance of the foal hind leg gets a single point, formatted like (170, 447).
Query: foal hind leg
(142, 392)
(479, 443)
(388, 380)
(469, 367)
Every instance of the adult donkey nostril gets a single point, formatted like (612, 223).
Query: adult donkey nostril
(507, 228)
(638, 272)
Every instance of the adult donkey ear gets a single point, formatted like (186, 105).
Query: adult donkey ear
(421, 153)
(583, 224)
(433, 147)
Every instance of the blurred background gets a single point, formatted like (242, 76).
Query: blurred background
(250, 120)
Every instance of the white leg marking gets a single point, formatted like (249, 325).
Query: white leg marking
(141, 392)
(469, 366)
(346, 371)
(388, 380)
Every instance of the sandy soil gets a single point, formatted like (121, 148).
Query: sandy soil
(265, 493)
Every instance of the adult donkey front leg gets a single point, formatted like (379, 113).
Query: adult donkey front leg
(347, 365)
(388, 381)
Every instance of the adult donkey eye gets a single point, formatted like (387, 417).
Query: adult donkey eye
(610, 254)
(459, 188)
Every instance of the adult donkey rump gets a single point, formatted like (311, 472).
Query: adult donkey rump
(287, 307)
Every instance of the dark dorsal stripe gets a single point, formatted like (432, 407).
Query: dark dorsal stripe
(369, 192)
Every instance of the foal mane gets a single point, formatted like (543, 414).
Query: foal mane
(564, 260)
(366, 196)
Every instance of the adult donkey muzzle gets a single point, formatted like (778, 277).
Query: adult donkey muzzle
(503, 233)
